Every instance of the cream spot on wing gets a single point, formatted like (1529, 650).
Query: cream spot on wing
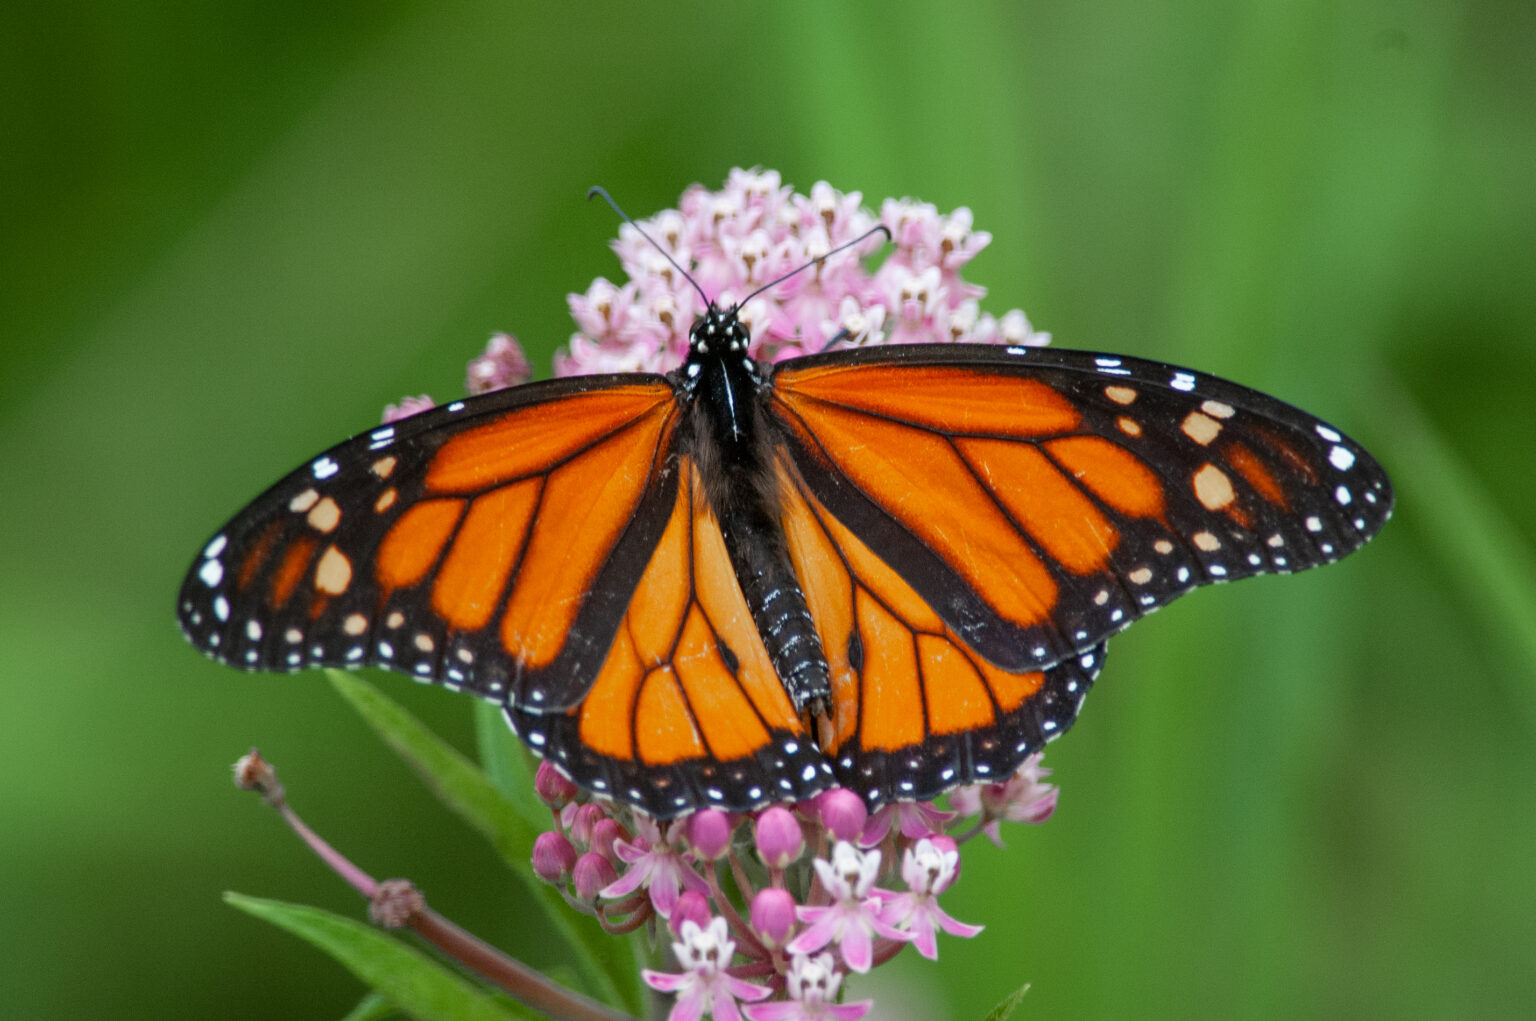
(1206, 541)
(1216, 409)
(1129, 426)
(304, 501)
(395, 619)
(383, 466)
(1200, 427)
(1141, 575)
(385, 501)
(1102, 597)
(334, 572)
(1163, 546)
(355, 624)
(1120, 394)
(1212, 487)
(324, 516)
(467, 657)
(424, 642)
(293, 636)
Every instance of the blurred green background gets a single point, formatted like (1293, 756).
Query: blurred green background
(232, 232)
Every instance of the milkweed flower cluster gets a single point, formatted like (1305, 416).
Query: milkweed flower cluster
(755, 230)
(769, 911)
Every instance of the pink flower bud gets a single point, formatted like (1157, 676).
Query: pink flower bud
(591, 875)
(586, 817)
(709, 833)
(692, 906)
(604, 832)
(842, 812)
(773, 916)
(553, 789)
(553, 857)
(779, 839)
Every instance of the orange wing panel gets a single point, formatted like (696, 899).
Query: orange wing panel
(1251, 468)
(731, 729)
(1054, 511)
(257, 557)
(956, 699)
(290, 569)
(917, 477)
(891, 702)
(1116, 476)
(469, 586)
(414, 541)
(664, 728)
(1010, 690)
(586, 504)
(529, 440)
(661, 599)
(949, 398)
(607, 713)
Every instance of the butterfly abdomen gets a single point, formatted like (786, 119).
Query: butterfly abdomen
(730, 440)
(779, 610)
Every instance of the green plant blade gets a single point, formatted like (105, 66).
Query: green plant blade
(604, 961)
(409, 979)
(373, 1007)
(507, 765)
(1005, 1008)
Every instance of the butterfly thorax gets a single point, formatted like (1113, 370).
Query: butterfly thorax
(728, 435)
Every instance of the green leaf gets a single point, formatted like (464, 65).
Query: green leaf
(408, 978)
(606, 962)
(461, 784)
(373, 1007)
(508, 764)
(1008, 1005)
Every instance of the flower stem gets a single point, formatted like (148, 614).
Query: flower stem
(522, 982)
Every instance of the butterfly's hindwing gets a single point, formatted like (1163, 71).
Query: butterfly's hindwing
(686, 709)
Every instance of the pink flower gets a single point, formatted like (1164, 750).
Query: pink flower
(656, 866)
(914, 819)
(704, 984)
(927, 869)
(503, 364)
(407, 407)
(756, 229)
(812, 985)
(1023, 797)
(853, 918)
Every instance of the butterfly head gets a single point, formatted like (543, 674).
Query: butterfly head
(718, 332)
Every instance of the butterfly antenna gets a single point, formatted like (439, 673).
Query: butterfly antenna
(878, 228)
(598, 189)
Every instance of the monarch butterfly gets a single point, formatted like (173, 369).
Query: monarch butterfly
(891, 569)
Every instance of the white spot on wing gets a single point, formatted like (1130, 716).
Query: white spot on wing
(324, 468)
(212, 572)
(1341, 458)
